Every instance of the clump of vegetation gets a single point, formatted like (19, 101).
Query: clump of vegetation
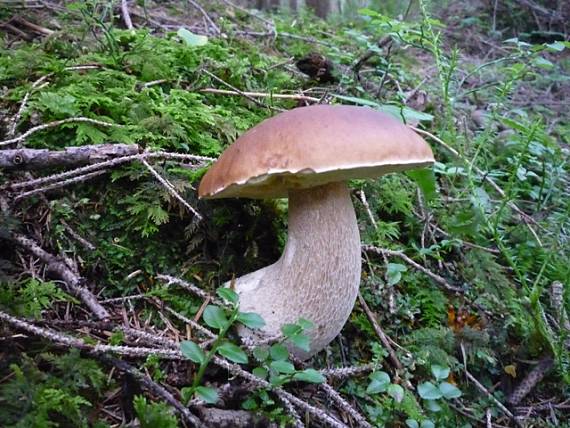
(109, 272)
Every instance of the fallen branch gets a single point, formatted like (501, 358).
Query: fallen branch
(260, 94)
(487, 393)
(440, 280)
(530, 381)
(57, 123)
(206, 17)
(126, 15)
(70, 156)
(380, 333)
(58, 185)
(72, 281)
(155, 389)
(108, 164)
(170, 188)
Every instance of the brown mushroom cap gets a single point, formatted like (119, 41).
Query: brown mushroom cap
(311, 146)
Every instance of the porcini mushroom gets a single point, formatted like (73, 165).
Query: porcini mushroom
(307, 155)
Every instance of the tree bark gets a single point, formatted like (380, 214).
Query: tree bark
(70, 156)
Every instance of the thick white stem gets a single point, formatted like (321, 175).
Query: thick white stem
(318, 274)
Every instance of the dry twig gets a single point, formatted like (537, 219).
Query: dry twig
(440, 280)
(73, 281)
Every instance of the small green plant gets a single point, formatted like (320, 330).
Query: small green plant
(275, 363)
(220, 320)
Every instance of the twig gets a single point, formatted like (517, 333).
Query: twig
(485, 391)
(107, 164)
(126, 16)
(69, 156)
(342, 404)
(155, 388)
(71, 279)
(346, 372)
(261, 94)
(88, 245)
(190, 287)
(526, 218)
(440, 280)
(364, 201)
(66, 340)
(58, 185)
(380, 333)
(530, 381)
(55, 124)
(168, 186)
(316, 412)
(206, 17)
(233, 88)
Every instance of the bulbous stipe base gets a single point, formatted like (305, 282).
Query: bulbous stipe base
(318, 274)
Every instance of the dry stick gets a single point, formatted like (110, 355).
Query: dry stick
(155, 388)
(233, 88)
(57, 123)
(381, 335)
(38, 84)
(18, 115)
(440, 280)
(66, 340)
(69, 156)
(190, 287)
(345, 405)
(260, 94)
(345, 372)
(281, 393)
(58, 185)
(527, 219)
(485, 391)
(168, 186)
(206, 16)
(125, 14)
(107, 164)
(71, 279)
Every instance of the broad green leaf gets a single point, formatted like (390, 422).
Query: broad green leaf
(427, 424)
(260, 372)
(209, 395)
(215, 317)
(433, 406)
(282, 366)
(289, 330)
(412, 423)
(379, 382)
(394, 273)
(301, 341)
(428, 391)
(449, 390)
(261, 353)
(305, 324)
(228, 294)
(440, 372)
(190, 38)
(425, 179)
(192, 351)
(396, 392)
(309, 375)
(278, 352)
(249, 404)
(251, 320)
(233, 353)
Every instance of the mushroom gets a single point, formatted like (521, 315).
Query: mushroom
(307, 155)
